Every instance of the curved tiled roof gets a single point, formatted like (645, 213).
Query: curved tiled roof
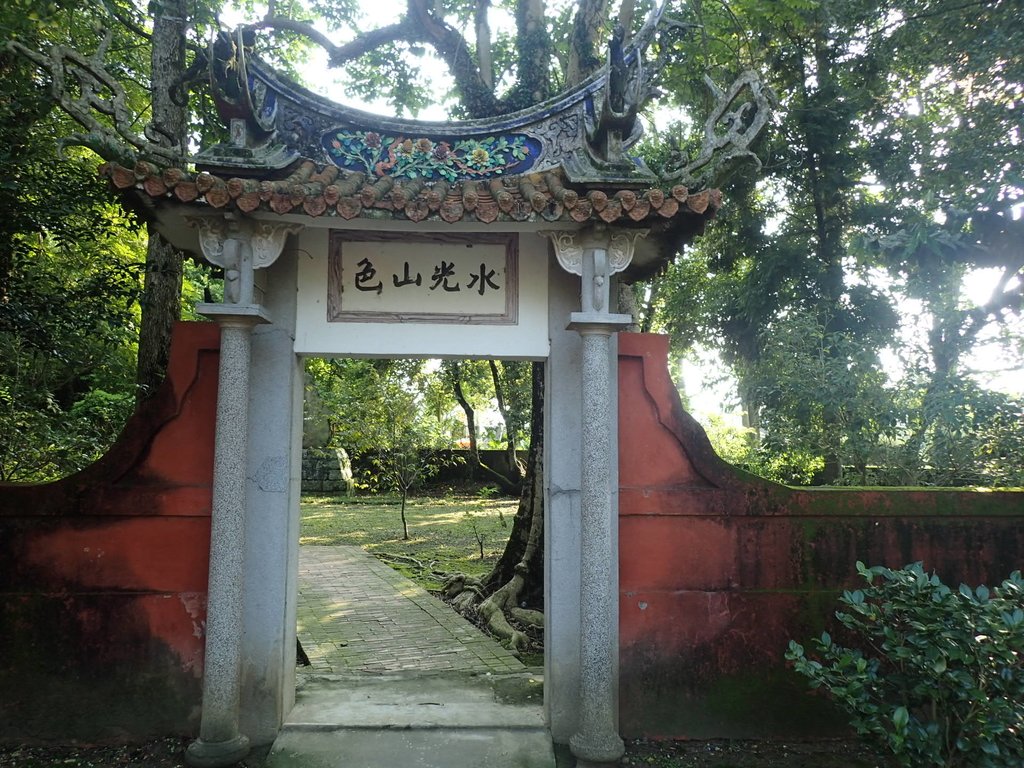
(313, 190)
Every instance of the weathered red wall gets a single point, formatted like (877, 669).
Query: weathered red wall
(103, 584)
(719, 570)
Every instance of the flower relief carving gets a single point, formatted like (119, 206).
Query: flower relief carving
(381, 154)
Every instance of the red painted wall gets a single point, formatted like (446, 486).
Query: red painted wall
(719, 570)
(103, 584)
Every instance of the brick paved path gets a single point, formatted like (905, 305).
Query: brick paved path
(355, 614)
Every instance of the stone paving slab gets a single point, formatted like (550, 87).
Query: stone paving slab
(357, 615)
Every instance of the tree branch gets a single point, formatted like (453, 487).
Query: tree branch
(420, 25)
(346, 52)
(455, 52)
(977, 318)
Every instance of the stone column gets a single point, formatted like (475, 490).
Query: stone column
(597, 740)
(219, 742)
(596, 255)
(240, 246)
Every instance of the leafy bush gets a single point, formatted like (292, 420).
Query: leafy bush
(939, 674)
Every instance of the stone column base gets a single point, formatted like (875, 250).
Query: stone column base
(216, 754)
(598, 750)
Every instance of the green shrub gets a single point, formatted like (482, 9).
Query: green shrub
(938, 674)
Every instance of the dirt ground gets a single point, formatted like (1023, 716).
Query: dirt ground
(167, 753)
(831, 753)
(160, 753)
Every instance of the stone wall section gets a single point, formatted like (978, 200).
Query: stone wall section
(104, 576)
(103, 589)
(327, 471)
(719, 570)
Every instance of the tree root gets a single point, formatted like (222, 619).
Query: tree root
(527, 617)
(419, 565)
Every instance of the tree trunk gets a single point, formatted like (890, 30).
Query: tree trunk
(511, 451)
(585, 57)
(161, 297)
(405, 525)
(515, 586)
(474, 448)
(161, 307)
(476, 466)
(484, 53)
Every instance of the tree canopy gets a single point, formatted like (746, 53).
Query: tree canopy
(894, 173)
(891, 177)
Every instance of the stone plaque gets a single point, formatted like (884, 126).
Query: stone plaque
(389, 277)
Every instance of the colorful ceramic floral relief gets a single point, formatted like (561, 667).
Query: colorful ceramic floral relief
(387, 155)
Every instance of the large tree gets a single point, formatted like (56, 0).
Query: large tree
(890, 176)
(66, 378)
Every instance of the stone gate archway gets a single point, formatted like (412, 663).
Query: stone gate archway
(254, 547)
(343, 233)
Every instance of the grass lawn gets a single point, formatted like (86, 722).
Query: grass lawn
(446, 533)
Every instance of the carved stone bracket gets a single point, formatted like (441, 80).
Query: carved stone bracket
(595, 255)
(267, 241)
(240, 246)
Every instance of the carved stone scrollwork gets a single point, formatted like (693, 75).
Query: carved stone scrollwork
(213, 231)
(621, 246)
(267, 241)
(240, 247)
(568, 250)
(595, 255)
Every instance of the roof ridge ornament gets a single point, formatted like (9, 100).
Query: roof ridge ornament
(734, 123)
(613, 127)
(274, 122)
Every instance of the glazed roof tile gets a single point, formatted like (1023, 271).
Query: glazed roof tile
(315, 190)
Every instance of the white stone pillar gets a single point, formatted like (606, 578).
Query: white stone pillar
(597, 739)
(240, 246)
(595, 256)
(220, 743)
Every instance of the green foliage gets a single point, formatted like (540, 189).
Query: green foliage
(824, 394)
(936, 675)
(362, 400)
(70, 258)
(70, 279)
(888, 177)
